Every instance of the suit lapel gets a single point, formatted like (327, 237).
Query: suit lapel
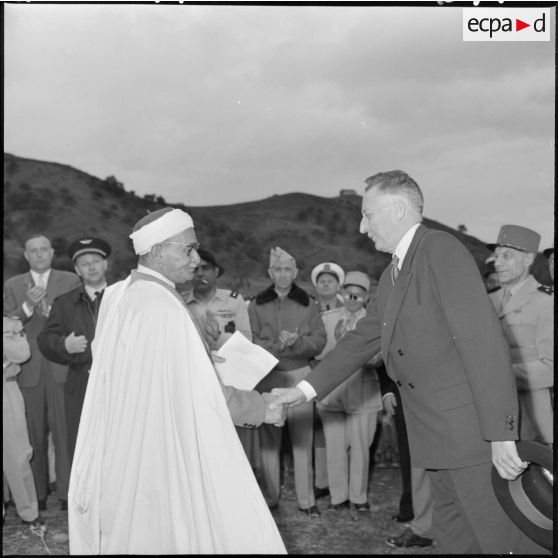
(51, 286)
(398, 291)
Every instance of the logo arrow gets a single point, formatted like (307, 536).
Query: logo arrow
(519, 25)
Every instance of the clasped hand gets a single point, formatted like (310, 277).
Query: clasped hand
(75, 344)
(275, 415)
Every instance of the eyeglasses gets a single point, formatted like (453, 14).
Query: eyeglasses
(189, 248)
(351, 296)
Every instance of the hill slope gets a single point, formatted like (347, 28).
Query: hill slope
(64, 203)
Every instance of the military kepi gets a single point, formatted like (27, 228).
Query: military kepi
(88, 245)
(520, 238)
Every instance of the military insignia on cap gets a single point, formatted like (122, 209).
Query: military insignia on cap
(89, 245)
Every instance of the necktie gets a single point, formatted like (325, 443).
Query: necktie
(97, 302)
(43, 305)
(394, 269)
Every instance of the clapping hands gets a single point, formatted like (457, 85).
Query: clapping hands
(34, 295)
(274, 416)
(287, 338)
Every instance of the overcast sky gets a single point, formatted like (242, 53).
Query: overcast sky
(209, 105)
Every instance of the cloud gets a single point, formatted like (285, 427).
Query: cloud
(223, 104)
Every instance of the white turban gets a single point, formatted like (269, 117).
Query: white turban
(170, 224)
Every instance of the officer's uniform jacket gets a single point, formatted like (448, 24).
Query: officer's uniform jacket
(229, 310)
(527, 319)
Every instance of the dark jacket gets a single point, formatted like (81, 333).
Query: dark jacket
(443, 346)
(269, 314)
(71, 312)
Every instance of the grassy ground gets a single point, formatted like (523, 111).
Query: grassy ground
(343, 532)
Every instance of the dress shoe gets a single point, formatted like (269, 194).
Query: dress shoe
(342, 506)
(63, 505)
(362, 507)
(408, 538)
(312, 510)
(42, 505)
(402, 518)
(321, 492)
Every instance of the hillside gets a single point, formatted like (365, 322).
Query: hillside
(64, 203)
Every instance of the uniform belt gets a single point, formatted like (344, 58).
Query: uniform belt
(11, 379)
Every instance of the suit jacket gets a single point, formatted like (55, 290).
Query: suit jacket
(443, 345)
(15, 289)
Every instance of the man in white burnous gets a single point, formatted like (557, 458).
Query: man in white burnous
(158, 466)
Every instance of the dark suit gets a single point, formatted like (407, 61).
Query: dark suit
(42, 382)
(443, 346)
(387, 385)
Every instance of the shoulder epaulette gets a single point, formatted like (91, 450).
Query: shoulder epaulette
(546, 289)
(234, 294)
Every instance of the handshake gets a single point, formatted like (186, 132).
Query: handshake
(276, 415)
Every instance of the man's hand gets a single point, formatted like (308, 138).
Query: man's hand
(291, 397)
(34, 295)
(506, 460)
(275, 415)
(75, 344)
(389, 402)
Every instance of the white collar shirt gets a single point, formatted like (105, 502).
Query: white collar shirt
(403, 245)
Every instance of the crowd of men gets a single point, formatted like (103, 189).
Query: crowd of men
(123, 379)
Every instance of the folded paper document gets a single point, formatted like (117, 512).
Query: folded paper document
(245, 363)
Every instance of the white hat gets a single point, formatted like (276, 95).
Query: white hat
(327, 267)
(358, 279)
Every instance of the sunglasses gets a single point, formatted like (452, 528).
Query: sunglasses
(351, 296)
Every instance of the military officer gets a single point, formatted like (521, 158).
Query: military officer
(526, 308)
(327, 279)
(219, 312)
